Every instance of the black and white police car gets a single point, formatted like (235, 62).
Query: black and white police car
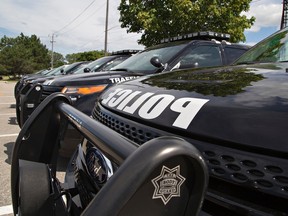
(146, 147)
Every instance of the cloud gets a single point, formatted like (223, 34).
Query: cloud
(267, 14)
(87, 32)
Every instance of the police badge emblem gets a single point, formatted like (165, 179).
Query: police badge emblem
(167, 184)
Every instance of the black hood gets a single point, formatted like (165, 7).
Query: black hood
(33, 77)
(91, 78)
(43, 79)
(239, 105)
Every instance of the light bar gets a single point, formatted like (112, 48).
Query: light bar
(128, 51)
(198, 35)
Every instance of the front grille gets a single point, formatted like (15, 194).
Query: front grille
(264, 174)
(85, 195)
(25, 88)
(48, 90)
(132, 132)
(259, 180)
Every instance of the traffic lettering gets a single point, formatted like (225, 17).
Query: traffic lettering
(122, 79)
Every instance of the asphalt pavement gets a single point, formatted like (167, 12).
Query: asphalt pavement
(9, 130)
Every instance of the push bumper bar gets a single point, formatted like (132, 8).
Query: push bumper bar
(166, 175)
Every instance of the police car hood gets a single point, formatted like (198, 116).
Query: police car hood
(239, 105)
(43, 79)
(32, 76)
(90, 78)
(36, 77)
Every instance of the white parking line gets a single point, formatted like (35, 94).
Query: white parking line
(8, 135)
(7, 103)
(6, 210)
(7, 114)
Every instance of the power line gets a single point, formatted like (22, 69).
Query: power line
(83, 20)
(76, 17)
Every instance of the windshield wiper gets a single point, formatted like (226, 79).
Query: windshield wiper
(120, 69)
(246, 62)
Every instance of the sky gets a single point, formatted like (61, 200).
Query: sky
(79, 26)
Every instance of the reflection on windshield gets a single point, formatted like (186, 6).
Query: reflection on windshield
(140, 62)
(272, 49)
(56, 70)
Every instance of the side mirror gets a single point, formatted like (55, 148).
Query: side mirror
(86, 70)
(62, 71)
(155, 61)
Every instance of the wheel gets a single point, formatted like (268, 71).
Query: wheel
(34, 187)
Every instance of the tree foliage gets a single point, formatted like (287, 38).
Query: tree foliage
(22, 55)
(58, 59)
(84, 56)
(158, 19)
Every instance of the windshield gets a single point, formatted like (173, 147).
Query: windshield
(56, 70)
(272, 49)
(72, 67)
(113, 63)
(75, 67)
(140, 62)
(94, 65)
(46, 72)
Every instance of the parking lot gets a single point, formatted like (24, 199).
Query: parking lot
(9, 130)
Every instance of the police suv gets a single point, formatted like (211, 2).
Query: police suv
(25, 93)
(201, 49)
(236, 117)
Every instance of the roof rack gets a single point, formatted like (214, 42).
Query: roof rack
(126, 51)
(204, 35)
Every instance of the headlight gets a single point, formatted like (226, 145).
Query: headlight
(83, 90)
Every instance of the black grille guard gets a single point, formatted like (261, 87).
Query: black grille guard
(166, 175)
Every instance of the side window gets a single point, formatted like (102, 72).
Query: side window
(232, 54)
(201, 56)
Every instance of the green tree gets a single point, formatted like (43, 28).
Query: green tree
(58, 59)
(22, 55)
(84, 56)
(158, 19)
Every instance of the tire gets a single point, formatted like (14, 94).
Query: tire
(34, 187)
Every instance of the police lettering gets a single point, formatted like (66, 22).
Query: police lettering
(151, 106)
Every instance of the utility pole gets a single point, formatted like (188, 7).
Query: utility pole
(106, 28)
(52, 54)
(284, 14)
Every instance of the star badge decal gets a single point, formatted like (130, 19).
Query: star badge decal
(167, 184)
